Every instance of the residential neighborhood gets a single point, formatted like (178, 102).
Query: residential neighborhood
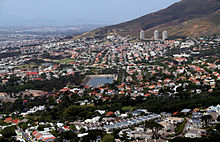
(91, 88)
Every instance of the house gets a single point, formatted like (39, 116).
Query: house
(195, 133)
(214, 115)
(167, 80)
(43, 136)
(82, 135)
(139, 111)
(123, 115)
(60, 125)
(93, 120)
(66, 128)
(33, 110)
(109, 113)
(197, 114)
(16, 121)
(145, 136)
(195, 122)
(8, 120)
(185, 110)
(166, 126)
(3, 94)
(164, 114)
(174, 120)
(139, 129)
(64, 89)
(4, 81)
(197, 82)
(35, 93)
(101, 111)
(215, 108)
(32, 75)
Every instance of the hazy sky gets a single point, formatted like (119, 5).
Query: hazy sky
(76, 11)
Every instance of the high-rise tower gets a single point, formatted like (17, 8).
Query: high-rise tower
(156, 35)
(165, 35)
(142, 35)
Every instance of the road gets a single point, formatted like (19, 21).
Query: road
(185, 127)
(180, 135)
(25, 135)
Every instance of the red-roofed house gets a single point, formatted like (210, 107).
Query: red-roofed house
(109, 113)
(43, 136)
(32, 75)
(65, 89)
(16, 121)
(8, 120)
(147, 95)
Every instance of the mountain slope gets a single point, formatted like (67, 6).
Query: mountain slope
(182, 16)
(203, 26)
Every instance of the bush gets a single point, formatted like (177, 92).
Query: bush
(8, 132)
(108, 138)
(180, 127)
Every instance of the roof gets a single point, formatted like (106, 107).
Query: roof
(175, 113)
(9, 119)
(16, 120)
(109, 113)
(43, 135)
(65, 89)
(32, 73)
(147, 95)
(186, 110)
(48, 138)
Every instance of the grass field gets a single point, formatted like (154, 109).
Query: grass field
(68, 60)
(27, 66)
(128, 108)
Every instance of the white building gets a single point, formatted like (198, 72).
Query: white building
(165, 35)
(142, 35)
(156, 35)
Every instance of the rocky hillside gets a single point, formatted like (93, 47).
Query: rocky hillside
(184, 18)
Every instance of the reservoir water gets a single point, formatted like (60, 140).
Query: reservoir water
(96, 81)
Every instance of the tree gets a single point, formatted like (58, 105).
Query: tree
(43, 76)
(218, 119)
(73, 127)
(23, 125)
(69, 135)
(108, 138)
(124, 136)
(155, 127)
(8, 132)
(92, 135)
(74, 112)
(179, 89)
(217, 127)
(40, 128)
(2, 139)
(115, 133)
(82, 130)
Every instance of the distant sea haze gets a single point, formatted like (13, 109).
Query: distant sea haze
(25, 12)
(44, 22)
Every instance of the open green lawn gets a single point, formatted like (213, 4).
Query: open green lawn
(68, 60)
(128, 108)
(27, 66)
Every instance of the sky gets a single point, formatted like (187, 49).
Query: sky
(70, 12)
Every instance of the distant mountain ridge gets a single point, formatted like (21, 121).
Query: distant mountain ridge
(184, 18)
